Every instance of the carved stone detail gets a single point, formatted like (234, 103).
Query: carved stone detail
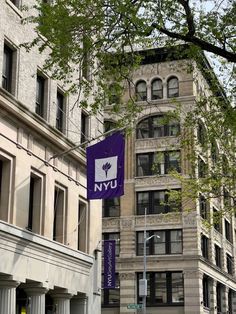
(166, 181)
(127, 276)
(110, 223)
(152, 144)
(126, 223)
(190, 219)
(159, 219)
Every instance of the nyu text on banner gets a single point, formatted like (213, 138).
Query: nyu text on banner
(109, 264)
(105, 168)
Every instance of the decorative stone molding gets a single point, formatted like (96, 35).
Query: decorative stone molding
(163, 181)
(110, 223)
(127, 223)
(127, 276)
(190, 219)
(152, 144)
(158, 219)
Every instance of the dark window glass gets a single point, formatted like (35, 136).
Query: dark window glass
(202, 168)
(203, 207)
(173, 87)
(204, 246)
(113, 236)
(7, 69)
(205, 292)
(109, 125)
(84, 127)
(229, 263)
(111, 207)
(227, 198)
(214, 153)
(162, 242)
(218, 298)
(21, 301)
(60, 112)
(15, 2)
(163, 288)
(156, 202)
(157, 126)
(230, 302)
(31, 203)
(157, 89)
(228, 231)
(217, 220)
(40, 95)
(201, 133)
(159, 163)
(141, 91)
(218, 256)
(111, 297)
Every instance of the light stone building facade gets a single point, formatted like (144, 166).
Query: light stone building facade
(190, 268)
(49, 232)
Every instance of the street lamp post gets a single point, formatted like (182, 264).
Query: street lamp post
(144, 280)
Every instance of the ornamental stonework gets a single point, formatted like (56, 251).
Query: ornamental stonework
(152, 144)
(127, 276)
(127, 224)
(110, 223)
(160, 181)
(158, 219)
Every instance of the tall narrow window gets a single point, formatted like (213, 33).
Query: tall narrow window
(7, 68)
(219, 297)
(59, 214)
(84, 127)
(35, 201)
(113, 236)
(218, 256)
(5, 183)
(228, 231)
(205, 292)
(82, 227)
(141, 91)
(229, 263)
(173, 87)
(60, 111)
(111, 207)
(40, 95)
(157, 89)
(204, 246)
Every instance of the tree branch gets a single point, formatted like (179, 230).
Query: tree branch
(189, 16)
(230, 56)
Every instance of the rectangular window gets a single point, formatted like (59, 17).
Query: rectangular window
(230, 301)
(162, 242)
(35, 203)
(60, 112)
(228, 231)
(205, 292)
(218, 298)
(111, 297)
(7, 68)
(84, 127)
(111, 207)
(16, 2)
(203, 207)
(113, 236)
(217, 220)
(83, 226)
(204, 246)
(202, 168)
(5, 186)
(157, 202)
(218, 256)
(163, 288)
(229, 264)
(158, 163)
(40, 95)
(59, 214)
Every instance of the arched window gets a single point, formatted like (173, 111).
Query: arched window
(173, 87)
(141, 91)
(157, 126)
(157, 89)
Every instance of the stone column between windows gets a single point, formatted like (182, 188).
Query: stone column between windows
(36, 294)
(127, 291)
(213, 303)
(193, 294)
(8, 296)
(61, 302)
(225, 291)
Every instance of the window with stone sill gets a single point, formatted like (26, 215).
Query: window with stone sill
(218, 256)
(141, 91)
(164, 288)
(219, 292)
(6, 166)
(60, 112)
(206, 291)
(229, 264)
(111, 207)
(162, 242)
(40, 102)
(157, 126)
(8, 68)
(158, 163)
(203, 207)
(157, 89)
(204, 246)
(172, 87)
(202, 168)
(217, 217)
(228, 230)
(201, 133)
(157, 202)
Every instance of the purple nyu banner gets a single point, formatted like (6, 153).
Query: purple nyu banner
(105, 168)
(109, 264)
